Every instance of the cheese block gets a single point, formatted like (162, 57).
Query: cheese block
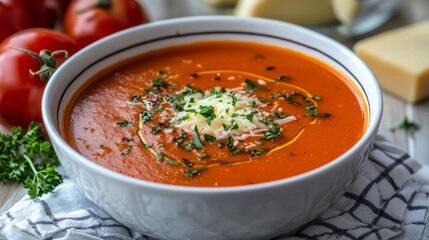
(400, 60)
(345, 10)
(221, 2)
(304, 12)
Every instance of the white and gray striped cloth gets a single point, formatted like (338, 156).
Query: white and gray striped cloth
(388, 200)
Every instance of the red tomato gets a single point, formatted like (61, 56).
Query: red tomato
(89, 20)
(13, 17)
(56, 8)
(21, 89)
(40, 14)
(16, 15)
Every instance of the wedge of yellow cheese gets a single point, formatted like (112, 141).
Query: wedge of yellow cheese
(304, 12)
(400, 60)
(221, 2)
(345, 10)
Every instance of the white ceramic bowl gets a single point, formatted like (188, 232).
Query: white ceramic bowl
(176, 212)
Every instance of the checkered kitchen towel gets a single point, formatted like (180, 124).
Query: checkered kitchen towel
(386, 201)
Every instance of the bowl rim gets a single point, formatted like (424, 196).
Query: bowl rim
(56, 137)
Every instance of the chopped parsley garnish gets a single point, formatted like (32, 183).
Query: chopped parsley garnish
(177, 102)
(279, 115)
(316, 97)
(194, 172)
(179, 120)
(252, 103)
(159, 83)
(312, 111)
(197, 141)
(127, 151)
(209, 138)
(163, 72)
(232, 126)
(203, 155)
(127, 139)
(124, 123)
(283, 78)
(161, 157)
(290, 98)
(136, 99)
(253, 86)
(258, 152)
(249, 117)
(158, 128)
(187, 163)
(146, 115)
(273, 132)
(208, 113)
(276, 95)
(234, 99)
(267, 121)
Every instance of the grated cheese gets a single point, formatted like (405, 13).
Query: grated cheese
(232, 114)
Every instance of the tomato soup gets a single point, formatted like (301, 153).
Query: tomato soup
(217, 113)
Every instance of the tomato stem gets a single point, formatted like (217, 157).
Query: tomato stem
(48, 63)
(106, 4)
(102, 4)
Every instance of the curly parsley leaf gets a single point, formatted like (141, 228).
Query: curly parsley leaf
(29, 158)
(407, 125)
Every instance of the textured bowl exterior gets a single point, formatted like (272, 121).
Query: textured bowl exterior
(175, 212)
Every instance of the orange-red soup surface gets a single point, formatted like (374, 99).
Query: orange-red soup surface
(219, 113)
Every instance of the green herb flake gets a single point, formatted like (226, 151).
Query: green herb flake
(127, 139)
(249, 117)
(316, 98)
(208, 113)
(161, 157)
(158, 128)
(258, 152)
(127, 151)
(146, 115)
(252, 103)
(203, 155)
(159, 83)
(187, 163)
(179, 120)
(276, 95)
(407, 125)
(163, 72)
(279, 115)
(234, 99)
(283, 78)
(190, 173)
(253, 86)
(273, 132)
(176, 101)
(135, 99)
(124, 123)
(197, 141)
(209, 138)
(290, 98)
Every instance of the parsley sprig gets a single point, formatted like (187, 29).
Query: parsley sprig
(29, 159)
